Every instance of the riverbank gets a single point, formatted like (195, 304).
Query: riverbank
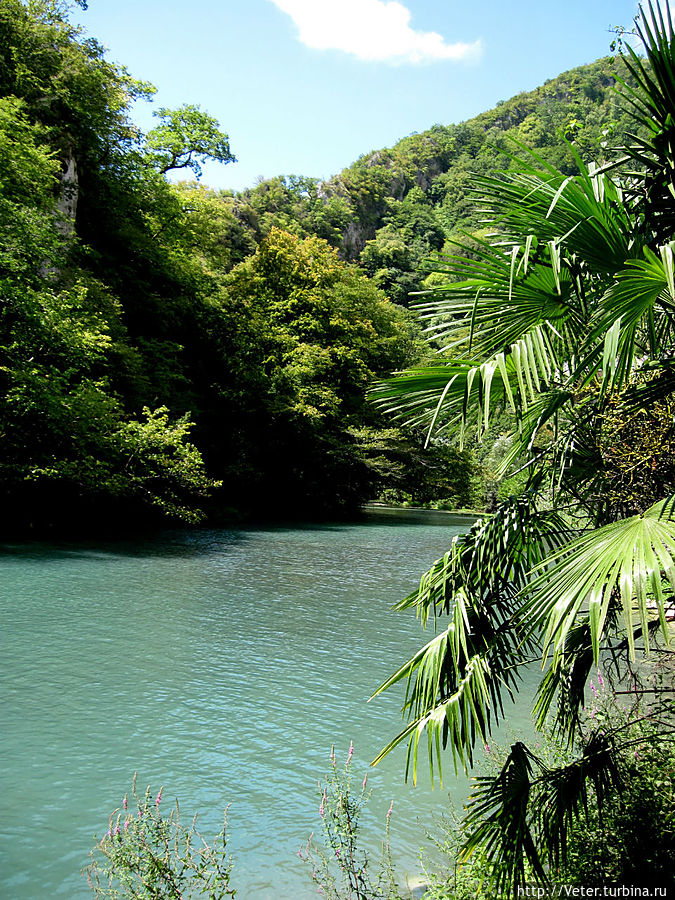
(421, 514)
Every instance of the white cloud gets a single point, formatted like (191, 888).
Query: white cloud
(373, 30)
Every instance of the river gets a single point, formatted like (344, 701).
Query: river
(221, 664)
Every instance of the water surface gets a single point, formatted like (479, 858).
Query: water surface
(221, 664)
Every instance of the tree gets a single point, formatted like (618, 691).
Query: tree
(323, 330)
(566, 315)
(85, 435)
(185, 138)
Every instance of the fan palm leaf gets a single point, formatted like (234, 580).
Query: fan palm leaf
(622, 564)
(566, 315)
(457, 682)
(584, 213)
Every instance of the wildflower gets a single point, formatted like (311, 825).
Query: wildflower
(159, 797)
(365, 781)
(593, 688)
(351, 751)
(322, 806)
(117, 829)
(124, 802)
(487, 748)
(126, 825)
(337, 853)
(389, 811)
(601, 680)
(332, 755)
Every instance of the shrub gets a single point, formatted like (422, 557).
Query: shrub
(341, 868)
(151, 856)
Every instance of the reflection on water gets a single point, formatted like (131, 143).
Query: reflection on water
(222, 664)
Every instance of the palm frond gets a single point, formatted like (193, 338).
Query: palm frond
(456, 684)
(627, 320)
(500, 822)
(652, 102)
(496, 298)
(583, 213)
(464, 393)
(620, 565)
(522, 815)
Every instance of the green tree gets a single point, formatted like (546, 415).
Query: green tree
(322, 331)
(185, 138)
(566, 317)
(85, 436)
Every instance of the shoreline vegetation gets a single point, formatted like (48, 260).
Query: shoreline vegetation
(175, 354)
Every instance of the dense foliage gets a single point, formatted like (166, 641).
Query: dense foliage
(153, 351)
(565, 315)
(169, 350)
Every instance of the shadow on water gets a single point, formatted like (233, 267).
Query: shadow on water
(182, 544)
(194, 542)
(396, 515)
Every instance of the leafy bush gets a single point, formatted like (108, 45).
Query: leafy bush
(630, 839)
(151, 856)
(341, 869)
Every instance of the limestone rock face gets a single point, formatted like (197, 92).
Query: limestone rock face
(66, 205)
(354, 240)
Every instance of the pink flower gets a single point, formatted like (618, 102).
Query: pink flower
(351, 751)
(117, 829)
(322, 806)
(124, 802)
(595, 693)
(487, 748)
(601, 680)
(365, 781)
(159, 797)
(389, 811)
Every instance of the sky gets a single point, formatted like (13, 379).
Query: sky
(305, 87)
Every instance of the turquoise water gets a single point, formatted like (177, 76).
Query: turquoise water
(220, 664)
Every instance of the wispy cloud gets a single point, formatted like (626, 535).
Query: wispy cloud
(373, 30)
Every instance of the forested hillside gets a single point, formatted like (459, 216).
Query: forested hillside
(393, 207)
(172, 350)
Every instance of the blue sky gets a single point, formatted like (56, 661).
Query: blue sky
(306, 86)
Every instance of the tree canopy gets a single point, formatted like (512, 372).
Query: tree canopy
(157, 338)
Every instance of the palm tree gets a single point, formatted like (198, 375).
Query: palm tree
(565, 316)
